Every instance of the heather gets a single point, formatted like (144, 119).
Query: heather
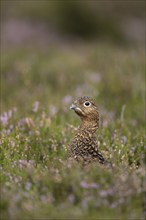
(42, 72)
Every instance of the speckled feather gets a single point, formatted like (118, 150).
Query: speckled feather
(84, 145)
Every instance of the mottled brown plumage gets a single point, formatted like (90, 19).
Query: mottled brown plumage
(84, 145)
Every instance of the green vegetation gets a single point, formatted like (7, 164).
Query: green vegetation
(36, 127)
(42, 72)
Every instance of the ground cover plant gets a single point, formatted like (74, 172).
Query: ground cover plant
(42, 72)
(36, 127)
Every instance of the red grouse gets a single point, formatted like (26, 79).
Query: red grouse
(84, 145)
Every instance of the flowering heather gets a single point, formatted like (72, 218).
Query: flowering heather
(38, 86)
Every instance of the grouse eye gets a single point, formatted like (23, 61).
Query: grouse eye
(87, 104)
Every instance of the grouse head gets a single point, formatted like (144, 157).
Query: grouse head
(86, 109)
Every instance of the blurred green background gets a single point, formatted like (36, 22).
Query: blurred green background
(51, 53)
(54, 49)
(85, 19)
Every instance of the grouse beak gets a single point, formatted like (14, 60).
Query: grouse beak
(76, 109)
(73, 106)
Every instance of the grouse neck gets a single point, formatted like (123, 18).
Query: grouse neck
(90, 126)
